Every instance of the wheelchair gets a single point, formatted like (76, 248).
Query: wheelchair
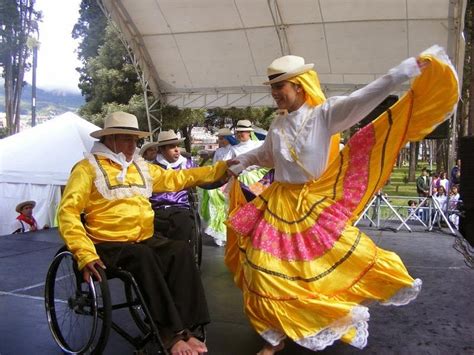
(197, 242)
(80, 314)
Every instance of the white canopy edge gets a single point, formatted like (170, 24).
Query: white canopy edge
(214, 53)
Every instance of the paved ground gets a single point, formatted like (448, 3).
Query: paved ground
(440, 321)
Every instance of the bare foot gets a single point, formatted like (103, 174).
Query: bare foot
(270, 349)
(197, 345)
(182, 348)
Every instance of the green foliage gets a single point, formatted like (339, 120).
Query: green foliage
(111, 77)
(90, 28)
(177, 119)
(259, 116)
(18, 22)
(3, 132)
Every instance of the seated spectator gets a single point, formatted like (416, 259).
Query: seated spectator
(149, 151)
(25, 222)
(412, 207)
(173, 216)
(111, 188)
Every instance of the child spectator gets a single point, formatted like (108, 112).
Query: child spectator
(25, 222)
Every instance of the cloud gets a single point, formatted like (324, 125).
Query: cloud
(57, 59)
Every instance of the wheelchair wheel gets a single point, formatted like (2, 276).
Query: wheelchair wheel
(197, 245)
(79, 313)
(136, 308)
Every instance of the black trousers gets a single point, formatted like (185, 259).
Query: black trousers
(175, 223)
(168, 279)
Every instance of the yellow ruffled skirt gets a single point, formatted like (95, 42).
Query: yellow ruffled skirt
(306, 273)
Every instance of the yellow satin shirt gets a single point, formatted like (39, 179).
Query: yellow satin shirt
(117, 211)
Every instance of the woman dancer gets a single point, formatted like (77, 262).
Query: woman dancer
(306, 273)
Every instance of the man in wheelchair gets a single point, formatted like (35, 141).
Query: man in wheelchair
(174, 218)
(111, 187)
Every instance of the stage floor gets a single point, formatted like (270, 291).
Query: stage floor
(440, 321)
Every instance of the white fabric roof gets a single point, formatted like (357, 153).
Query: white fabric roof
(46, 153)
(208, 53)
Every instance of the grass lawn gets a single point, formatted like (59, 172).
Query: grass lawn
(398, 186)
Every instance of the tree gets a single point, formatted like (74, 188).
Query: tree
(18, 20)
(108, 77)
(259, 116)
(183, 120)
(90, 29)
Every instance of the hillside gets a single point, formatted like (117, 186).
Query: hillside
(48, 103)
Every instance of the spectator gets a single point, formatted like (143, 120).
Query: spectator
(423, 184)
(456, 173)
(224, 152)
(25, 222)
(412, 204)
(173, 216)
(149, 151)
(243, 132)
(453, 200)
(443, 181)
(441, 197)
(434, 182)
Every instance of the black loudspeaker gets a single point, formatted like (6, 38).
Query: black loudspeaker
(381, 108)
(440, 132)
(466, 149)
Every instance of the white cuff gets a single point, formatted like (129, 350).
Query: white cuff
(409, 67)
(237, 169)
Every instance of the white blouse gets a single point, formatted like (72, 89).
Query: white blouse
(311, 141)
(222, 153)
(244, 147)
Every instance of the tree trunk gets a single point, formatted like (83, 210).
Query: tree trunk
(17, 26)
(412, 165)
(441, 155)
(187, 134)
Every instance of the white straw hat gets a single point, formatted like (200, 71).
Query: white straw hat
(146, 146)
(286, 67)
(223, 132)
(244, 126)
(20, 206)
(120, 123)
(168, 137)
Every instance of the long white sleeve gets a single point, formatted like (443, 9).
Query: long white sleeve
(342, 112)
(261, 156)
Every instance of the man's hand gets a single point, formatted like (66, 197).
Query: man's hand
(231, 162)
(422, 63)
(230, 172)
(91, 269)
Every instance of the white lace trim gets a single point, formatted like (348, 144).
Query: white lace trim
(358, 319)
(125, 191)
(273, 337)
(405, 295)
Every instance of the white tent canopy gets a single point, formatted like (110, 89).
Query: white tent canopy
(36, 162)
(214, 53)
